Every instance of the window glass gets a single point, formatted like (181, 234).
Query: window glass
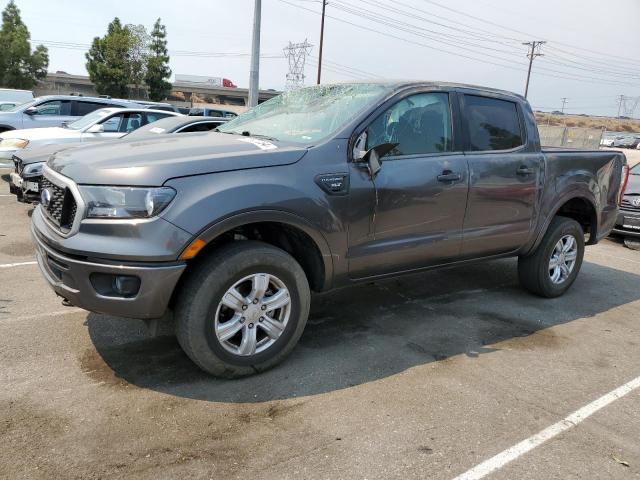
(55, 107)
(82, 108)
(418, 124)
(133, 121)
(89, 119)
(200, 127)
(308, 115)
(152, 116)
(492, 124)
(112, 124)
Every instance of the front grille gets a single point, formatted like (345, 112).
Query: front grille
(17, 162)
(626, 203)
(62, 207)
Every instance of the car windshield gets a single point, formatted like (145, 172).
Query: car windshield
(89, 119)
(307, 115)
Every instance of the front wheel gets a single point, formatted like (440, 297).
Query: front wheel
(243, 309)
(554, 266)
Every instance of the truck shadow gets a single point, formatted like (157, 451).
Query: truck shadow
(368, 332)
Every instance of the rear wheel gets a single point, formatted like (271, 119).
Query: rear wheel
(554, 266)
(243, 309)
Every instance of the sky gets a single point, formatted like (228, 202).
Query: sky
(593, 45)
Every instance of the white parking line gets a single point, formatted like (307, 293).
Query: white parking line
(20, 264)
(500, 460)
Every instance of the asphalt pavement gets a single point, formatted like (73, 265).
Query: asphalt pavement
(427, 376)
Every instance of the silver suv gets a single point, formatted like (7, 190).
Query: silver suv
(54, 110)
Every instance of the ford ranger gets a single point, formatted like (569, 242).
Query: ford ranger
(229, 231)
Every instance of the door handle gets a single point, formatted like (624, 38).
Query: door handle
(449, 176)
(524, 170)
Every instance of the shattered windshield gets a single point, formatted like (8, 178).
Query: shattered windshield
(306, 115)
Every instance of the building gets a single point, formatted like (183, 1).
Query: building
(183, 93)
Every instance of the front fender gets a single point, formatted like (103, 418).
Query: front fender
(214, 230)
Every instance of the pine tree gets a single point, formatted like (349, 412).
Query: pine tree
(158, 71)
(108, 60)
(19, 68)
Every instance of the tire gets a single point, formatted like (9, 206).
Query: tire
(199, 310)
(535, 272)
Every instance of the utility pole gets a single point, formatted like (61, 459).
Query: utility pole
(324, 7)
(564, 102)
(254, 74)
(532, 54)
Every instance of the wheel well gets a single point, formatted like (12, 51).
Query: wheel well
(292, 240)
(583, 212)
(4, 128)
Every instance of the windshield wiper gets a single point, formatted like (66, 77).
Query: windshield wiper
(247, 133)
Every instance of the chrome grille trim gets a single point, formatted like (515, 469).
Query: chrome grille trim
(64, 183)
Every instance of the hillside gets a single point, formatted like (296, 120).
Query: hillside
(611, 124)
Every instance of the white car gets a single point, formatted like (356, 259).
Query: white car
(103, 124)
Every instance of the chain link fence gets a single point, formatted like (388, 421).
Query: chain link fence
(574, 137)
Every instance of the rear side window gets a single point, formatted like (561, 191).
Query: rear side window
(492, 124)
(82, 108)
(153, 116)
(200, 127)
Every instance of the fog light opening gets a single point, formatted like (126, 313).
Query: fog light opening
(126, 285)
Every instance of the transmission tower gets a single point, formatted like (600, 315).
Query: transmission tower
(296, 54)
(627, 105)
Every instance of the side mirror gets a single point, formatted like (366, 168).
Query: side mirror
(373, 156)
(97, 128)
(31, 111)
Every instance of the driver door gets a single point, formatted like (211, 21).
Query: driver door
(418, 198)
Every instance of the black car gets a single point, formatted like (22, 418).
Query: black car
(628, 223)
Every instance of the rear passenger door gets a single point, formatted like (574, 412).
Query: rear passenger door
(504, 177)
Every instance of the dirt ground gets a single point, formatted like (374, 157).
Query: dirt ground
(421, 377)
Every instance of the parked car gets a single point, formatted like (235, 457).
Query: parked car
(98, 125)
(628, 141)
(179, 124)
(317, 188)
(16, 97)
(103, 124)
(608, 141)
(28, 164)
(628, 221)
(167, 107)
(54, 110)
(211, 112)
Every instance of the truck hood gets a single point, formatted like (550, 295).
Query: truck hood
(43, 153)
(151, 162)
(50, 133)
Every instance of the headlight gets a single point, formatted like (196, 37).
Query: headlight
(14, 143)
(126, 202)
(33, 169)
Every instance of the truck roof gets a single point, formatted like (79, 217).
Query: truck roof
(401, 84)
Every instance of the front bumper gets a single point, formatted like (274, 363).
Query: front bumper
(27, 189)
(73, 278)
(623, 227)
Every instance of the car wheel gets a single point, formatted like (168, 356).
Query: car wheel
(243, 309)
(554, 266)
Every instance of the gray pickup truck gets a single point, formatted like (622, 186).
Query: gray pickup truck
(318, 188)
